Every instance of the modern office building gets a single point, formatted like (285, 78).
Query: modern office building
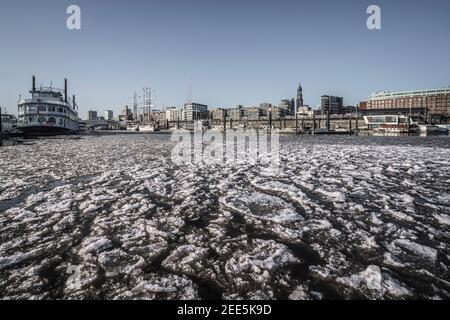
(109, 115)
(174, 114)
(288, 105)
(265, 105)
(332, 105)
(254, 113)
(348, 110)
(299, 97)
(92, 115)
(126, 115)
(236, 113)
(304, 111)
(195, 111)
(432, 102)
(157, 116)
(218, 114)
(277, 112)
(292, 106)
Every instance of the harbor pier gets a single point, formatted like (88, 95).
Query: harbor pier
(322, 124)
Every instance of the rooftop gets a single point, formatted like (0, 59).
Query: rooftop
(396, 94)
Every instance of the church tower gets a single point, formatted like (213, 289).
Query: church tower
(299, 96)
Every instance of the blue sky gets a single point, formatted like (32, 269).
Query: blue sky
(236, 52)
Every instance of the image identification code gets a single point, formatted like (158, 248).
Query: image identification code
(226, 309)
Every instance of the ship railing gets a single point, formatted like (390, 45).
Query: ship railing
(53, 101)
(49, 90)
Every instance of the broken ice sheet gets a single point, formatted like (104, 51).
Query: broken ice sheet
(339, 212)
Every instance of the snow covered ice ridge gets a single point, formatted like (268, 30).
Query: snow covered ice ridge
(342, 218)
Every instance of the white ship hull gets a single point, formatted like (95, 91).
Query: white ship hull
(48, 112)
(147, 128)
(133, 128)
(433, 129)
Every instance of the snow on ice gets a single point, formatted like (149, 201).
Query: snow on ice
(343, 218)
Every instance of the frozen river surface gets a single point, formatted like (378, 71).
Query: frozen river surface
(113, 218)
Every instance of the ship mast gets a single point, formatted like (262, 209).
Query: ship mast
(147, 102)
(135, 107)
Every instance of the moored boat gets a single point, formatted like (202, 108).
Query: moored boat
(147, 128)
(390, 123)
(48, 112)
(429, 129)
(9, 123)
(133, 127)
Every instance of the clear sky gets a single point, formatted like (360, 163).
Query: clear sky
(236, 52)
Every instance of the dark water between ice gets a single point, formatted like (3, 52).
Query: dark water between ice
(345, 217)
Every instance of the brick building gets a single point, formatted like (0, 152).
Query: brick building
(432, 102)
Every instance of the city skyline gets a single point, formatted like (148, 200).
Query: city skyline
(234, 53)
(224, 155)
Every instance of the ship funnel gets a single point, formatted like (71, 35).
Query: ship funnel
(65, 90)
(33, 88)
(73, 102)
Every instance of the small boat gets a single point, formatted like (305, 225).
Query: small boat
(49, 112)
(430, 129)
(390, 123)
(133, 127)
(390, 129)
(9, 123)
(446, 126)
(147, 128)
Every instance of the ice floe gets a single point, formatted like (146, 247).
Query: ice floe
(112, 217)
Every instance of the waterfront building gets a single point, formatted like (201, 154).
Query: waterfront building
(254, 113)
(332, 105)
(158, 116)
(433, 102)
(195, 111)
(287, 105)
(266, 106)
(304, 111)
(277, 112)
(236, 113)
(92, 115)
(299, 96)
(218, 113)
(292, 106)
(126, 115)
(349, 110)
(109, 115)
(174, 114)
